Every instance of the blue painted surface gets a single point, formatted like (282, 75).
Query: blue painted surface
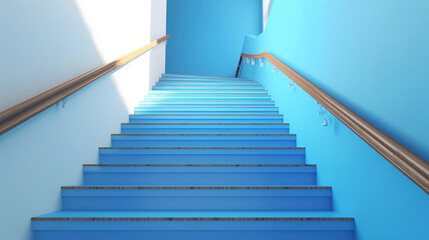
(196, 199)
(374, 65)
(158, 174)
(373, 60)
(215, 28)
(206, 175)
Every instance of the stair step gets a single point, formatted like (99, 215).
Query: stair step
(203, 140)
(197, 76)
(205, 80)
(207, 92)
(204, 155)
(196, 103)
(243, 128)
(203, 174)
(207, 110)
(220, 103)
(206, 118)
(205, 83)
(196, 198)
(207, 88)
(208, 97)
(207, 225)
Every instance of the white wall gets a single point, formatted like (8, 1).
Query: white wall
(266, 9)
(158, 29)
(45, 43)
(119, 27)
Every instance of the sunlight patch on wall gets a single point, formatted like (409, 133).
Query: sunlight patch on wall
(117, 28)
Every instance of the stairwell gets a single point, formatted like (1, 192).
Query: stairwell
(201, 158)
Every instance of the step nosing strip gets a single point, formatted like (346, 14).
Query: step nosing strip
(202, 134)
(238, 90)
(206, 115)
(194, 188)
(247, 148)
(205, 124)
(199, 165)
(206, 101)
(191, 219)
(210, 86)
(245, 95)
(210, 107)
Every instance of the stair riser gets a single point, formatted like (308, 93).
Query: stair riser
(178, 120)
(185, 83)
(204, 119)
(201, 159)
(205, 80)
(148, 130)
(206, 92)
(196, 200)
(216, 97)
(211, 109)
(202, 178)
(181, 76)
(206, 104)
(202, 143)
(195, 235)
(173, 105)
(213, 88)
(195, 111)
(309, 226)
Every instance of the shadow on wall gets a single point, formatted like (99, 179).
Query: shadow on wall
(43, 44)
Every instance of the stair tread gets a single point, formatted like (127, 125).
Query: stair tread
(210, 107)
(207, 101)
(187, 187)
(199, 165)
(280, 124)
(204, 114)
(203, 134)
(235, 95)
(202, 148)
(191, 215)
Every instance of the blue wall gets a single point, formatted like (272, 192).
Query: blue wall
(207, 35)
(370, 55)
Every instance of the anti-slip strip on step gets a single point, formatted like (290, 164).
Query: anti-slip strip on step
(200, 90)
(193, 75)
(196, 114)
(245, 95)
(206, 101)
(202, 134)
(205, 124)
(199, 165)
(194, 187)
(241, 219)
(244, 148)
(203, 82)
(210, 107)
(203, 85)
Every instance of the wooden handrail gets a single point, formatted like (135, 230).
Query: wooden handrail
(409, 163)
(21, 112)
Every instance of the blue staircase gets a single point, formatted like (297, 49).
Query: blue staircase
(201, 158)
